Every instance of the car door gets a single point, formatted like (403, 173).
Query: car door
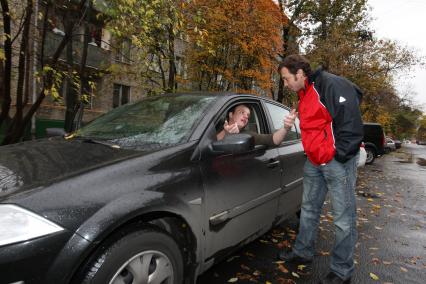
(292, 158)
(240, 191)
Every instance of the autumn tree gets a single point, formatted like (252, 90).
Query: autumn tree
(236, 44)
(152, 27)
(336, 34)
(17, 26)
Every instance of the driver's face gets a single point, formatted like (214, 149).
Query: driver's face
(240, 116)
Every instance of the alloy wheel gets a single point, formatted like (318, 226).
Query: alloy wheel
(151, 267)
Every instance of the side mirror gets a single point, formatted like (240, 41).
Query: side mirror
(233, 144)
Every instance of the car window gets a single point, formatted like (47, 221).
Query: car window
(278, 114)
(150, 123)
(254, 123)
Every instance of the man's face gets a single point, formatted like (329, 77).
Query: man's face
(294, 82)
(240, 116)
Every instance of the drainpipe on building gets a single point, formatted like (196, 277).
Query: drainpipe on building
(33, 119)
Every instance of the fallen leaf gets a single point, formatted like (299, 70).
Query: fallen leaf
(378, 228)
(324, 253)
(301, 267)
(256, 273)
(282, 268)
(267, 282)
(374, 276)
(245, 267)
(403, 269)
(279, 262)
(386, 262)
(295, 274)
(233, 280)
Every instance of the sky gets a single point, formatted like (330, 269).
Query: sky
(403, 21)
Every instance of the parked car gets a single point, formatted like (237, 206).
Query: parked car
(398, 143)
(374, 140)
(145, 191)
(390, 145)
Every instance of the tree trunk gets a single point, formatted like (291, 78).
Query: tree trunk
(7, 70)
(172, 64)
(83, 76)
(71, 95)
(22, 66)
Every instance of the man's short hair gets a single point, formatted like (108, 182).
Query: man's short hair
(295, 62)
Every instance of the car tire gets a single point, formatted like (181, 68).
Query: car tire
(371, 155)
(139, 255)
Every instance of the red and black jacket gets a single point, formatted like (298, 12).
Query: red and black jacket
(330, 118)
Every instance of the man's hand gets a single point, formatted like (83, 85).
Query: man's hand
(233, 128)
(289, 120)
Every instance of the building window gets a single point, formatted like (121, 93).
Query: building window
(123, 53)
(121, 95)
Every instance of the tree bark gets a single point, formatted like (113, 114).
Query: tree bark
(7, 69)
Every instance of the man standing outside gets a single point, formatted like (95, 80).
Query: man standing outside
(332, 132)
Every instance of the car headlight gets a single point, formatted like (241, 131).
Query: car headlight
(18, 224)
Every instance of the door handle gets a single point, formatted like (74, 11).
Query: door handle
(273, 163)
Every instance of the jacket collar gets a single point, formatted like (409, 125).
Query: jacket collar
(315, 75)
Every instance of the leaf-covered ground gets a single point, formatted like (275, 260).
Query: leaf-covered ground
(391, 247)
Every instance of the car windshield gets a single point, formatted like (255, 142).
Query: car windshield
(151, 123)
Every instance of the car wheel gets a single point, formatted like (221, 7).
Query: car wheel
(370, 155)
(145, 256)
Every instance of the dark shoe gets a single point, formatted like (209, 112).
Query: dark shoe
(332, 278)
(290, 256)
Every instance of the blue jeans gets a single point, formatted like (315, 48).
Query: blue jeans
(339, 179)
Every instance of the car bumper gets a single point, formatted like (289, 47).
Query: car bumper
(31, 261)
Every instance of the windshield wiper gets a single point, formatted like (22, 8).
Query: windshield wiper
(95, 141)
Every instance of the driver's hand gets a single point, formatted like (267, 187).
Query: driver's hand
(231, 128)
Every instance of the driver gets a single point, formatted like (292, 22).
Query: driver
(238, 118)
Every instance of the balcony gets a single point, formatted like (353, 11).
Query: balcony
(97, 57)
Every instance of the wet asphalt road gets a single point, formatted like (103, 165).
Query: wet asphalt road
(391, 248)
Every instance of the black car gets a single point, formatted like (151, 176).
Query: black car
(374, 140)
(145, 193)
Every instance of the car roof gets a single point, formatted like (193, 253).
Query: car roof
(225, 95)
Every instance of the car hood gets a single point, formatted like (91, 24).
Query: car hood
(38, 163)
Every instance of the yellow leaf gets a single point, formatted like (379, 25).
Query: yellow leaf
(374, 276)
(301, 267)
